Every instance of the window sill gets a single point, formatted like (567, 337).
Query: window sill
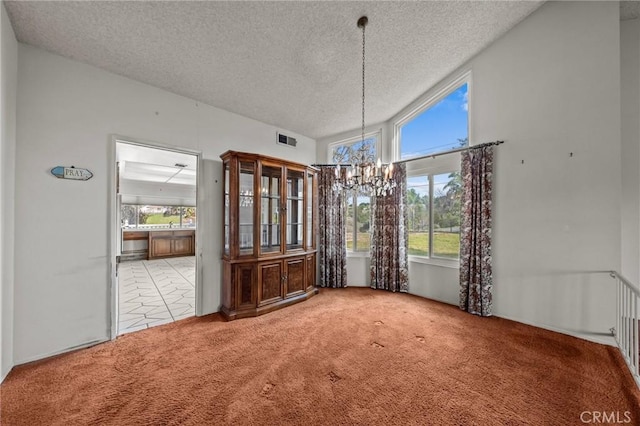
(445, 263)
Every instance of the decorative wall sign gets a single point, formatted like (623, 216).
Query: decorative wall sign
(62, 172)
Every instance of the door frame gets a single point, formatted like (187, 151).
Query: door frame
(114, 226)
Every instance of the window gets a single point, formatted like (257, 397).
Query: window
(151, 217)
(434, 185)
(433, 207)
(352, 151)
(442, 124)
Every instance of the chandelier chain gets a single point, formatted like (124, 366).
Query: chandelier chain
(363, 174)
(363, 92)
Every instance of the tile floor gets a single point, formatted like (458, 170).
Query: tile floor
(155, 292)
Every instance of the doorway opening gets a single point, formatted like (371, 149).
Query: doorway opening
(155, 223)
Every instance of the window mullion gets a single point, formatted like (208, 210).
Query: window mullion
(354, 212)
(430, 215)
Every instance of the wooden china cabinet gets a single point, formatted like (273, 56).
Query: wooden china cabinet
(269, 257)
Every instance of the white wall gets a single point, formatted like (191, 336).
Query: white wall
(630, 106)
(9, 82)
(66, 114)
(549, 87)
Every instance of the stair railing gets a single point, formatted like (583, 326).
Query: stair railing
(625, 331)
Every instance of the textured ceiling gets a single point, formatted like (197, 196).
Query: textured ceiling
(295, 65)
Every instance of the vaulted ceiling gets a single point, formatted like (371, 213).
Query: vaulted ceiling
(296, 65)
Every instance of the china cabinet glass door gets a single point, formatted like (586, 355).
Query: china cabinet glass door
(295, 209)
(270, 208)
(245, 210)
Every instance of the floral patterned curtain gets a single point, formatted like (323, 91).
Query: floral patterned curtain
(475, 233)
(389, 237)
(332, 247)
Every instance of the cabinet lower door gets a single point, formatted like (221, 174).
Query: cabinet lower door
(160, 247)
(270, 282)
(294, 277)
(183, 246)
(244, 276)
(311, 271)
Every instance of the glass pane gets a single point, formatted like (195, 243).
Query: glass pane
(226, 208)
(358, 224)
(447, 191)
(188, 217)
(158, 217)
(441, 127)
(350, 223)
(245, 199)
(270, 209)
(128, 215)
(355, 152)
(418, 215)
(310, 210)
(363, 226)
(295, 187)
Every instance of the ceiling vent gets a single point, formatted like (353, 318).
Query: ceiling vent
(286, 140)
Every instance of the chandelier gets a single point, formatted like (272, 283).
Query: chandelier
(365, 176)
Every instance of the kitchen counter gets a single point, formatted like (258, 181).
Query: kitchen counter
(157, 243)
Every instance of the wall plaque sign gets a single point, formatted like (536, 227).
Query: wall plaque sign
(73, 173)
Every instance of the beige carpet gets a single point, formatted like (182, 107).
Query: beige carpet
(346, 356)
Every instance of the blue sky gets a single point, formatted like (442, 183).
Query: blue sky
(437, 128)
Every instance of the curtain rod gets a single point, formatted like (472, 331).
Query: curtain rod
(422, 157)
(438, 154)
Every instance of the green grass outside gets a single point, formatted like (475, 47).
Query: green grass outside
(160, 219)
(445, 244)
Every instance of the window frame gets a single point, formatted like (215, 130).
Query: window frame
(445, 167)
(355, 252)
(141, 227)
(427, 165)
(424, 103)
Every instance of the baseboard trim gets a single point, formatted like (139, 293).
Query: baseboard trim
(62, 351)
(591, 337)
(5, 374)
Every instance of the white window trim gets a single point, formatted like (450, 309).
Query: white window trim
(425, 102)
(435, 261)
